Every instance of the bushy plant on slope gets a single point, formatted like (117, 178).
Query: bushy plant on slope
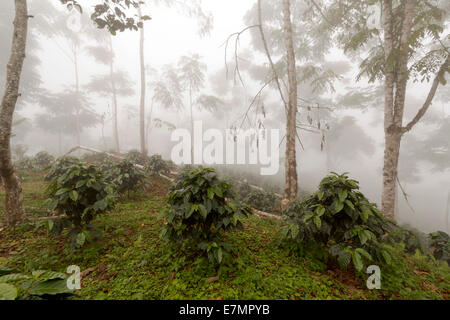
(157, 165)
(81, 192)
(340, 218)
(43, 159)
(200, 207)
(124, 175)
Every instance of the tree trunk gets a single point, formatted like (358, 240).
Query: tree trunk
(291, 186)
(149, 125)
(13, 190)
(114, 100)
(143, 83)
(192, 124)
(77, 90)
(396, 77)
(447, 212)
(390, 168)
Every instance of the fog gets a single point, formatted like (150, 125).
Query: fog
(353, 110)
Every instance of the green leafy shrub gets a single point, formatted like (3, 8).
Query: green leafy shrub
(125, 175)
(156, 165)
(440, 245)
(96, 158)
(43, 159)
(340, 218)
(412, 239)
(200, 207)
(35, 286)
(59, 167)
(24, 165)
(242, 189)
(137, 157)
(81, 193)
(264, 201)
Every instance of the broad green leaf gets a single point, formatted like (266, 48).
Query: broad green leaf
(218, 191)
(342, 194)
(338, 207)
(61, 191)
(14, 277)
(51, 287)
(386, 256)
(203, 211)
(73, 195)
(362, 237)
(81, 239)
(80, 184)
(320, 211)
(320, 195)
(4, 270)
(317, 222)
(344, 259)
(364, 253)
(349, 204)
(48, 275)
(7, 292)
(357, 261)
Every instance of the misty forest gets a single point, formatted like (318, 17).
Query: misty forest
(95, 205)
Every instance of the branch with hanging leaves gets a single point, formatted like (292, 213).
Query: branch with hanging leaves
(111, 14)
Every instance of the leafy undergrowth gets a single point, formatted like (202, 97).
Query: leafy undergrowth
(130, 261)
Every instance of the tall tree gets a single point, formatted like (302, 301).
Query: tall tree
(13, 190)
(112, 85)
(291, 186)
(65, 113)
(192, 76)
(143, 84)
(191, 8)
(408, 46)
(284, 32)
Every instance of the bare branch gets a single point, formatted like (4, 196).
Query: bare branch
(254, 99)
(266, 48)
(236, 47)
(440, 75)
(405, 195)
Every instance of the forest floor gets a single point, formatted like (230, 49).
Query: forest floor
(130, 261)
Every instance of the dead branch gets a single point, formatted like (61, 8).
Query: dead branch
(99, 151)
(236, 55)
(269, 57)
(405, 195)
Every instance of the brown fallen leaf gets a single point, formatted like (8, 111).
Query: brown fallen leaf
(86, 272)
(212, 279)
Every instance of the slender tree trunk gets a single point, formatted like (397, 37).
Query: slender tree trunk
(114, 100)
(149, 125)
(192, 124)
(77, 91)
(447, 213)
(105, 146)
(13, 190)
(394, 103)
(291, 186)
(143, 84)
